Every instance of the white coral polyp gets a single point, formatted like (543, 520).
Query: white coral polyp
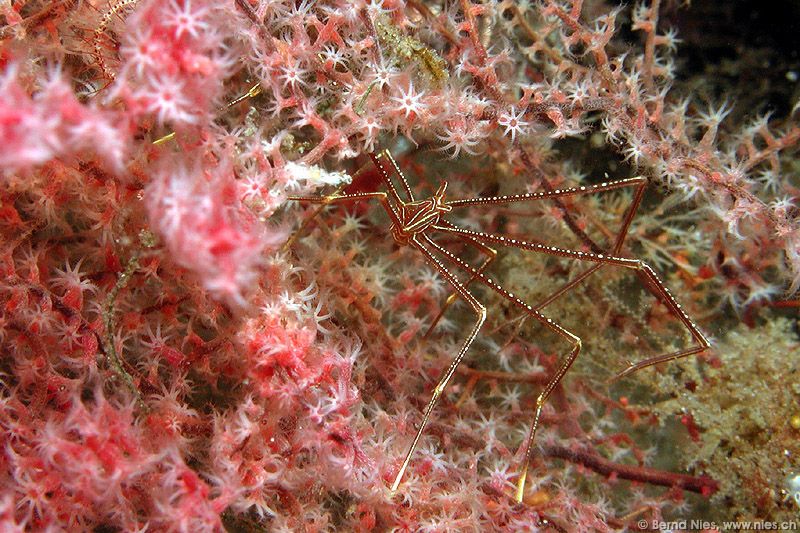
(310, 177)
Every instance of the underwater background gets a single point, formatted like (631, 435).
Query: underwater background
(198, 333)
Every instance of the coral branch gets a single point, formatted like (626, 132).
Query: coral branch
(702, 485)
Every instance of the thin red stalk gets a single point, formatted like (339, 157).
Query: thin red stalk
(700, 484)
(650, 46)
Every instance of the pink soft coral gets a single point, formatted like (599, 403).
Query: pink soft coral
(208, 230)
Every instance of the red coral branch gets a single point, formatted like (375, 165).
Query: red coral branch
(700, 484)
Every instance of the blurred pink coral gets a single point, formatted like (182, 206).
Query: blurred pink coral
(173, 61)
(199, 214)
(53, 123)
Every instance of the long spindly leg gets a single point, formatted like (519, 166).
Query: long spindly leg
(386, 154)
(663, 293)
(619, 240)
(628, 218)
(640, 183)
(480, 310)
(388, 179)
(337, 197)
(490, 253)
(556, 378)
(556, 193)
(307, 199)
(639, 266)
(602, 258)
(642, 268)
